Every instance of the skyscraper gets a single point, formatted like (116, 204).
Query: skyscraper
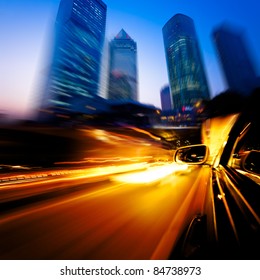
(185, 68)
(75, 65)
(123, 80)
(235, 59)
(166, 100)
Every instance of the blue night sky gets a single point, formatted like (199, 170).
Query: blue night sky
(26, 27)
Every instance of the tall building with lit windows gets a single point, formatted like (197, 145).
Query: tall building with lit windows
(123, 78)
(73, 80)
(184, 63)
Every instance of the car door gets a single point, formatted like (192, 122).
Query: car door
(236, 191)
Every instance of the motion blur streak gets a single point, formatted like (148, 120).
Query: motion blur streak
(145, 132)
(90, 175)
(151, 174)
(105, 160)
(194, 198)
(48, 206)
(84, 219)
(240, 196)
(215, 132)
(227, 209)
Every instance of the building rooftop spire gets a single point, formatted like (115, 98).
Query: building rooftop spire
(122, 35)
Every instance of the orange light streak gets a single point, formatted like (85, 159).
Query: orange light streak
(150, 175)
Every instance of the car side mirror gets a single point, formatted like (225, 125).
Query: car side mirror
(193, 154)
(252, 162)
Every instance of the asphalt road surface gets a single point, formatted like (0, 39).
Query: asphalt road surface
(93, 193)
(130, 211)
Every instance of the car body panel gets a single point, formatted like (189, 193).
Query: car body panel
(229, 225)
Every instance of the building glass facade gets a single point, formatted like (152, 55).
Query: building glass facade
(184, 63)
(123, 77)
(235, 59)
(166, 99)
(75, 67)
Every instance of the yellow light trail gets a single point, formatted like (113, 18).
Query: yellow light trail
(150, 175)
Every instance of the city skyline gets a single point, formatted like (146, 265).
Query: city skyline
(26, 28)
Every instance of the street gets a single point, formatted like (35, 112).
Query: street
(116, 194)
(102, 217)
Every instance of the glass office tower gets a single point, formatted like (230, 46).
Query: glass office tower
(166, 99)
(75, 67)
(123, 81)
(185, 68)
(235, 59)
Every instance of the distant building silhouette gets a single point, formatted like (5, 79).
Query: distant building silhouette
(184, 62)
(234, 56)
(73, 80)
(166, 99)
(123, 80)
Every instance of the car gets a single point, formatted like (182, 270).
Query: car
(228, 223)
